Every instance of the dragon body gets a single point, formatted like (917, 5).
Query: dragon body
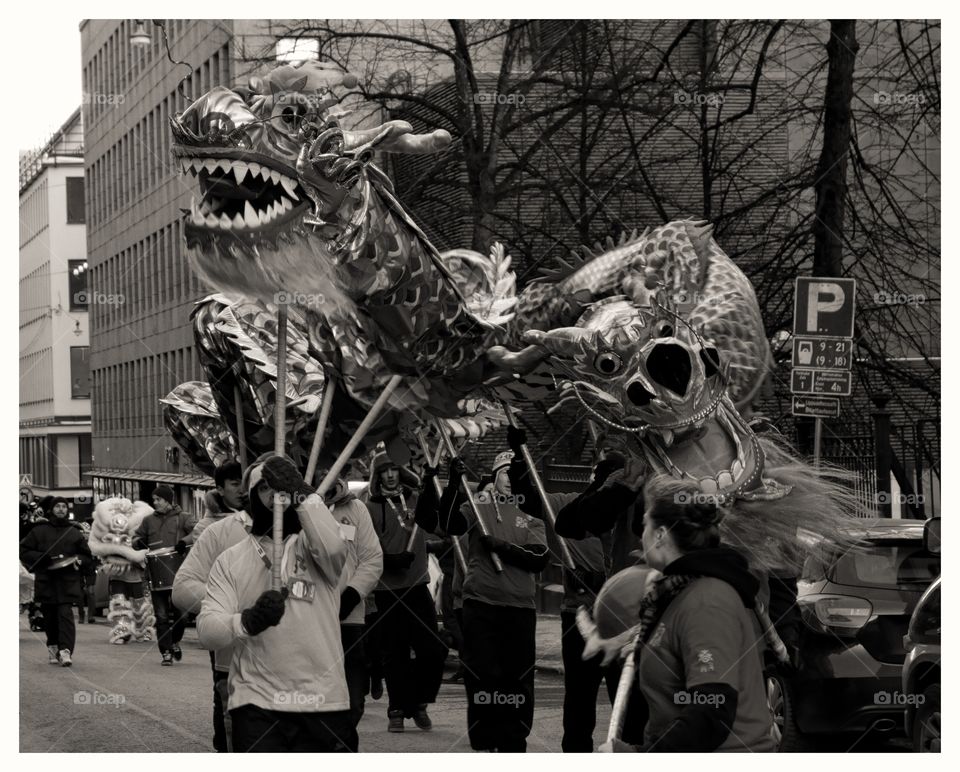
(658, 337)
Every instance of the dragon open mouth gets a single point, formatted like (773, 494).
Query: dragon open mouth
(240, 194)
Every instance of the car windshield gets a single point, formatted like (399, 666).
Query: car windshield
(886, 566)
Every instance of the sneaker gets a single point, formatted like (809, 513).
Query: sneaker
(177, 652)
(395, 718)
(376, 688)
(421, 719)
(65, 660)
(53, 656)
(167, 658)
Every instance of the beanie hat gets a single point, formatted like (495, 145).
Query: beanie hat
(502, 460)
(164, 492)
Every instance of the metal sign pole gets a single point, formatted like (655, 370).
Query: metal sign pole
(817, 439)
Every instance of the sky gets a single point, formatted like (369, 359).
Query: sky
(55, 83)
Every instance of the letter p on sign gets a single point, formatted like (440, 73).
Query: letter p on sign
(824, 307)
(825, 297)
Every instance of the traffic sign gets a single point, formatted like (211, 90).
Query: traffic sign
(816, 407)
(823, 353)
(837, 383)
(824, 306)
(26, 479)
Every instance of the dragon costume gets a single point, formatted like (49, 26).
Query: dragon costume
(115, 521)
(658, 338)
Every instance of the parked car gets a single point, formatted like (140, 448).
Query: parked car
(855, 604)
(921, 668)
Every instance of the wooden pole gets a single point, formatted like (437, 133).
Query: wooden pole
(619, 711)
(321, 428)
(241, 429)
(458, 550)
(375, 410)
(497, 563)
(542, 492)
(279, 433)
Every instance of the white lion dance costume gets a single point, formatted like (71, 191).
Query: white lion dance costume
(115, 521)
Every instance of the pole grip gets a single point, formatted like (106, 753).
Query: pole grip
(542, 492)
(497, 563)
(624, 686)
(457, 548)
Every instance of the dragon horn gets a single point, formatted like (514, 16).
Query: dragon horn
(563, 341)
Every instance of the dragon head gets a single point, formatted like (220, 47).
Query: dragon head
(645, 371)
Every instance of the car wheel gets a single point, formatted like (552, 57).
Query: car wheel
(786, 735)
(926, 724)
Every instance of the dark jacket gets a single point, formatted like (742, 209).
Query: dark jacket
(46, 543)
(157, 531)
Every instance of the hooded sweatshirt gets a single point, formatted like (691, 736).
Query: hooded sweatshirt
(364, 556)
(296, 666)
(707, 638)
(394, 517)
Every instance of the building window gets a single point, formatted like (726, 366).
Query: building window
(77, 278)
(75, 209)
(80, 372)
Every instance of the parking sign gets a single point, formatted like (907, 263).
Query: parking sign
(824, 306)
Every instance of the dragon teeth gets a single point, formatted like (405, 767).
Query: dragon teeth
(250, 215)
(239, 172)
(289, 186)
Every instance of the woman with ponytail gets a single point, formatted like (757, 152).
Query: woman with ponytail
(700, 645)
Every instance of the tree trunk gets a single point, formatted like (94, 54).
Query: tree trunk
(830, 184)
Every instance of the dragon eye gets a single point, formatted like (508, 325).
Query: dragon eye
(607, 363)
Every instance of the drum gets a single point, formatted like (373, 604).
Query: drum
(71, 562)
(162, 566)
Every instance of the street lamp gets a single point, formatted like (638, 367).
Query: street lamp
(140, 36)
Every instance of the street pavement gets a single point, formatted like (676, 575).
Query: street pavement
(119, 698)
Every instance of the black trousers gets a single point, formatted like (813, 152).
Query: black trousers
(257, 730)
(499, 653)
(581, 683)
(355, 667)
(373, 646)
(408, 622)
(219, 706)
(170, 622)
(60, 626)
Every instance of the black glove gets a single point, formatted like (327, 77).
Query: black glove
(429, 471)
(266, 612)
(181, 547)
(281, 475)
(491, 543)
(606, 466)
(349, 599)
(457, 467)
(515, 438)
(398, 561)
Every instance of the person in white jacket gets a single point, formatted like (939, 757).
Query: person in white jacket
(287, 685)
(359, 578)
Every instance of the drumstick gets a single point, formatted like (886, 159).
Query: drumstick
(497, 563)
(624, 687)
